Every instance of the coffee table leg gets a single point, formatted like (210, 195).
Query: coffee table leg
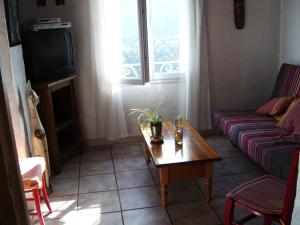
(208, 181)
(163, 177)
(163, 195)
(147, 154)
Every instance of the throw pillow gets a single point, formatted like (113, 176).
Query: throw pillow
(267, 107)
(275, 106)
(281, 105)
(290, 116)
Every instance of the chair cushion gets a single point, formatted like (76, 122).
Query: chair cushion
(264, 194)
(32, 170)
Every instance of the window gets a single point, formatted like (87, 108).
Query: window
(151, 40)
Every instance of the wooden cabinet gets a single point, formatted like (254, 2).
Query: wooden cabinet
(58, 113)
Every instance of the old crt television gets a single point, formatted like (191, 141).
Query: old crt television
(48, 51)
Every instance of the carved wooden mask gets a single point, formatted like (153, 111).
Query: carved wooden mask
(60, 2)
(239, 13)
(41, 3)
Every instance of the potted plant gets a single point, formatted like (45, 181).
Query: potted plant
(150, 116)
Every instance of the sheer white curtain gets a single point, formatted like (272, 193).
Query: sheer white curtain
(195, 105)
(106, 61)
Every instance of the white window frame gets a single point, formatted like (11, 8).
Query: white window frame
(148, 76)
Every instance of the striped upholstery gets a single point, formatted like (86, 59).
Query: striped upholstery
(288, 81)
(257, 135)
(258, 144)
(232, 122)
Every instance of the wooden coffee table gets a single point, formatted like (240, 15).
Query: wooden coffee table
(194, 159)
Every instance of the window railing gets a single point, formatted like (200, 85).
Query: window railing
(133, 70)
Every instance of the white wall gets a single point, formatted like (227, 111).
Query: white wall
(290, 32)
(13, 76)
(243, 63)
(20, 90)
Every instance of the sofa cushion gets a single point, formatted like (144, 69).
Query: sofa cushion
(232, 122)
(260, 144)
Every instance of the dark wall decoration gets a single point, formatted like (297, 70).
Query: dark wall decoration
(43, 2)
(239, 13)
(60, 2)
(40, 3)
(12, 21)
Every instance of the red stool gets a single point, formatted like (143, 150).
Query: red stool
(32, 171)
(267, 197)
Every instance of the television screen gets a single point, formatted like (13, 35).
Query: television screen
(48, 54)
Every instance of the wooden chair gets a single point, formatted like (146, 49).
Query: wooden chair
(267, 197)
(32, 171)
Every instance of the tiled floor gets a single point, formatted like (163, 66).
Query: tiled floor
(113, 185)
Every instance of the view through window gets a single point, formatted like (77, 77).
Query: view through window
(162, 40)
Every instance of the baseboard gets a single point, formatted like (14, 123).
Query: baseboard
(133, 139)
(208, 132)
(103, 141)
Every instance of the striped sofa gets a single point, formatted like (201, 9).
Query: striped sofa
(257, 135)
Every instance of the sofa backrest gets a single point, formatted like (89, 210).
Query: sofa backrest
(288, 81)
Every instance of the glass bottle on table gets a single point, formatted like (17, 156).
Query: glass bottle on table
(178, 123)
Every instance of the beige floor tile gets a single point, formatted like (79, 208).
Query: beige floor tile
(218, 204)
(221, 186)
(183, 192)
(217, 140)
(62, 187)
(228, 151)
(96, 183)
(74, 160)
(126, 150)
(69, 170)
(101, 202)
(240, 165)
(139, 198)
(143, 146)
(245, 177)
(61, 207)
(148, 216)
(220, 170)
(95, 219)
(137, 178)
(155, 174)
(96, 167)
(130, 163)
(96, 154)
(96, 147)
(193, 214)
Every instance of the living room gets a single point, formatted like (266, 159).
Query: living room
(238, 54)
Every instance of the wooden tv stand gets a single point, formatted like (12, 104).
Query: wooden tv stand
(58, 113)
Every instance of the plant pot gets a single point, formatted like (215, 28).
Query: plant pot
(156, 130)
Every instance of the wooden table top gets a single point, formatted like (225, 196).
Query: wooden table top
(194, 149)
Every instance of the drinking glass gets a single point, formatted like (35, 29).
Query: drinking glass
(178, 123)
